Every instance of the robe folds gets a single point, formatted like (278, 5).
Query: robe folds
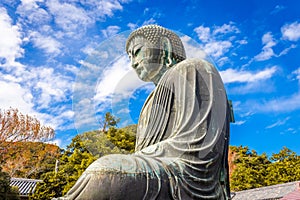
(181, 145)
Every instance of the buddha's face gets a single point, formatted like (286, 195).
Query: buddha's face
(145, 59)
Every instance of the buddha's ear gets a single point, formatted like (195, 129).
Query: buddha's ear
(167, 51)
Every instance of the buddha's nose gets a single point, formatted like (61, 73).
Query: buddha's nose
(134, 63)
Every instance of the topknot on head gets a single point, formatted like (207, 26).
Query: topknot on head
(154, 34)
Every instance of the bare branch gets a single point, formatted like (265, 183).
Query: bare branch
(16, 126)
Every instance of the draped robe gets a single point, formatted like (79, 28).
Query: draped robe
(181, 146)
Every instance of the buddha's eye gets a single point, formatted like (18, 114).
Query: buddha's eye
(137, 51)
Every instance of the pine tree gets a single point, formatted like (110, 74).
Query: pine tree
(250, 170)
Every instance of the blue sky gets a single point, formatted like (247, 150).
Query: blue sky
(64, 61)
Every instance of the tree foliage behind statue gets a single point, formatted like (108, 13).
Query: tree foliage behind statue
(73, 162)
(252, 170)
(124, 138)
(81, 152)
(17, 127)
(29, 159)
(7, 192)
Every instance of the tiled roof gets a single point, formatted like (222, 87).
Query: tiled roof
(25, 186)
(267, 193)
(292, 196)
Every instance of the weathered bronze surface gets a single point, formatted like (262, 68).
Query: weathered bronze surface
(183, 130)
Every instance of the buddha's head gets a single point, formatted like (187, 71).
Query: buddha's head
(153, 49)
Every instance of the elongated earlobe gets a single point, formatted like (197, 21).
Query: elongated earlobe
(167, 51)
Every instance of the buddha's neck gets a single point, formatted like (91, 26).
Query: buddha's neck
(158, 76)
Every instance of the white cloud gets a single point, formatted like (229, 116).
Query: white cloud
(223, 60)
(232, 75)
(291, 31)
(84, 114)
(203, 33)
(213, 41)
(127, 84)
(149, 21)
(279, 122)
(239, 122)
(105, 8)
(119, 80)
(110, 31)
(74, 20)
(282, 104)
(277, 9)
(247, 114)
(99, 80)
(10, 78)
(71, 68)
(267, 51)
(31, 13)
(35, 91)
(242, 42)
(89, 49)
(244, 58)
(286, 50)
(266, 54)
(69, 17)
(47, 43)
(217, 48)
(268, 40)
(192, 48)
(53, 86)
(261, 86)
(132, 26)
(124, 110)
(226, 28)
(115, 86)
(60, 118)
(10, 40)
(43, 84)
(91, 67)
(297, 73)
(67, 114)
(20, 98)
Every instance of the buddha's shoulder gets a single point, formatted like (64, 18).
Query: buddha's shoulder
(194, 63)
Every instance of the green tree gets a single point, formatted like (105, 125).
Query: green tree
(52, 186)
(73, 162)
(250, 169)
(7, 192)
(77, 157)
(122, 138)
(98, 144)
(285, 167)
(108, 122)
(114, 140)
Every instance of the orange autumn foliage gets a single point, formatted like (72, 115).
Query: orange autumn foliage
(28, 159)
(15, 126)
(232, 156)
